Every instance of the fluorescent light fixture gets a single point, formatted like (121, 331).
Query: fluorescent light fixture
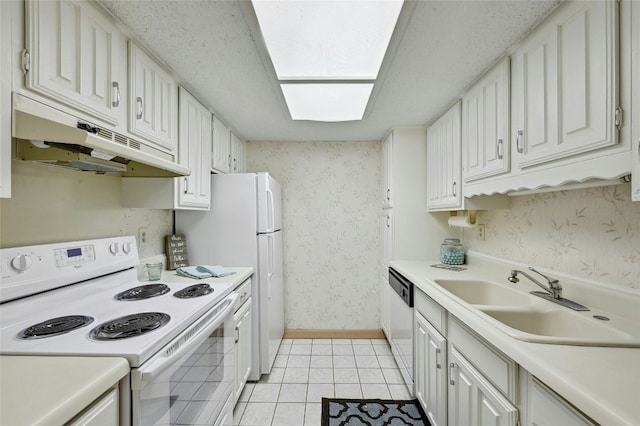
(327, 53)
(327, 39)
(327, 102)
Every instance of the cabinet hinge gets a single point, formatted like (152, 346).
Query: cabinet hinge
(26, 61)
(618, 119)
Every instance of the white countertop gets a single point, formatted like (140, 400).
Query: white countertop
(241, 274)
(603, 382)
(39, 390)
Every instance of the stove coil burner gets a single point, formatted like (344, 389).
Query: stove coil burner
(55, 326)
(143, 292)
(129, 326)
(192, 291)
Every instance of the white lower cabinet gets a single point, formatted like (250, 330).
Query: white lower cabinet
(242, 319)
(546, 408)
(105, 411)
(431, 370)
(473, 400)
(460, 379)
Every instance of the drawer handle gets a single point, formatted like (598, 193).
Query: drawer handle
(451, 367)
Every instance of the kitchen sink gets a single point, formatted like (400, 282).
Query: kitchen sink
(532, 319)
(485, 292)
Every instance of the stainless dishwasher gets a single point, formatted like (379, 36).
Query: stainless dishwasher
(402, 325)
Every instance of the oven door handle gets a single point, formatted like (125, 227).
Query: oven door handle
(195, 335)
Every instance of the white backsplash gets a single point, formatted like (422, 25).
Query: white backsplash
(331, 230)
(592, 233)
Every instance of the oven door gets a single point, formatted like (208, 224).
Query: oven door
(190, 380)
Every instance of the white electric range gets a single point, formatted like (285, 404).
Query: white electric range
(83, 298)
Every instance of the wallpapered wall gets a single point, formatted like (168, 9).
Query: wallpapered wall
(331, 230)
(592, 233)
(52, 204)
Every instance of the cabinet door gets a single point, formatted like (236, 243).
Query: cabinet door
(443, 162)
(103, 412)
(5, 101)
(546, 408)
(153, 101)
(194, 151)
(387, 166)
(74, 56)
(635, 99)
(565, 85)
(472, 399)
(430, 374)
(237, 154)
(242, 347)
(485, 125)
(221, 149)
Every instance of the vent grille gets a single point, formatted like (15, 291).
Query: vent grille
(118, 138)
(134, 144)
(107, 134)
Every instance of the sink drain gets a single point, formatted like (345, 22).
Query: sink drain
(601, 318)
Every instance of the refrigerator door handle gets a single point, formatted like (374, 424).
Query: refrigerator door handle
(271, 261)
(270, 211)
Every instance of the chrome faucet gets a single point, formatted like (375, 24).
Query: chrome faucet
(555, 289)
(552, 293)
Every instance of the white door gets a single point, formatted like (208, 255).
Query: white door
(271, 294)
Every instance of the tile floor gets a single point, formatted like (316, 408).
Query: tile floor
(305, 370)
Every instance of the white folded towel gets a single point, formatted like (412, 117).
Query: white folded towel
(204, 271)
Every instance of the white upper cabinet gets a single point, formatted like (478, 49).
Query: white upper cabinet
(221, 149)
(153, 101)
(444, 174)
(73, 56)
(5, 102)
(387, 164)
(565, 85)
(194, 151)
(635, 98)
(238, 148)
(485, 125)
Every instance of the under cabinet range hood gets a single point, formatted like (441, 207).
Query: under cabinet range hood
(50, 136)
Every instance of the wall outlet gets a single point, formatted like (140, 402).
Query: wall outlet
(481, 234)
(142, 237)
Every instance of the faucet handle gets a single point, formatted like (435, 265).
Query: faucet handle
(513, 277)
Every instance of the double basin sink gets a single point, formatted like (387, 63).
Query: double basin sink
(530, 318)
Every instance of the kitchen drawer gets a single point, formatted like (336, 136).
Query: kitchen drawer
(429, 309)
(495, 366)
(244, 293)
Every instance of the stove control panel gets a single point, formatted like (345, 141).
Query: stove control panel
(74, 256)
(33, 269)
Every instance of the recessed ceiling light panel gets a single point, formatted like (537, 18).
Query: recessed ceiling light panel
(327, 39)
(327, 102)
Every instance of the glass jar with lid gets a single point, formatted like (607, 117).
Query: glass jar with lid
(452, 252)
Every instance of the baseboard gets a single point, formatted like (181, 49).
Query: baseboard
(334, 334)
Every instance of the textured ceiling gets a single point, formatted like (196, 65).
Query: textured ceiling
(439, 48)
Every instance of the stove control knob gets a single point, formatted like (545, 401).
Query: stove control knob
(114, 248)
(21, 262)
(126, 247)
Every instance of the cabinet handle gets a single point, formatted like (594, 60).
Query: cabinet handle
(388, 222)
(438, 365)
(454, 189)
(140, 107)
(116, 94)
(237, 335)
(186, 185)
(518, 136)
(235, 164)
(499, 149)
(388, 194)
(451, 367)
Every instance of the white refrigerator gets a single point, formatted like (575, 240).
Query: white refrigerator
(244, 228)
